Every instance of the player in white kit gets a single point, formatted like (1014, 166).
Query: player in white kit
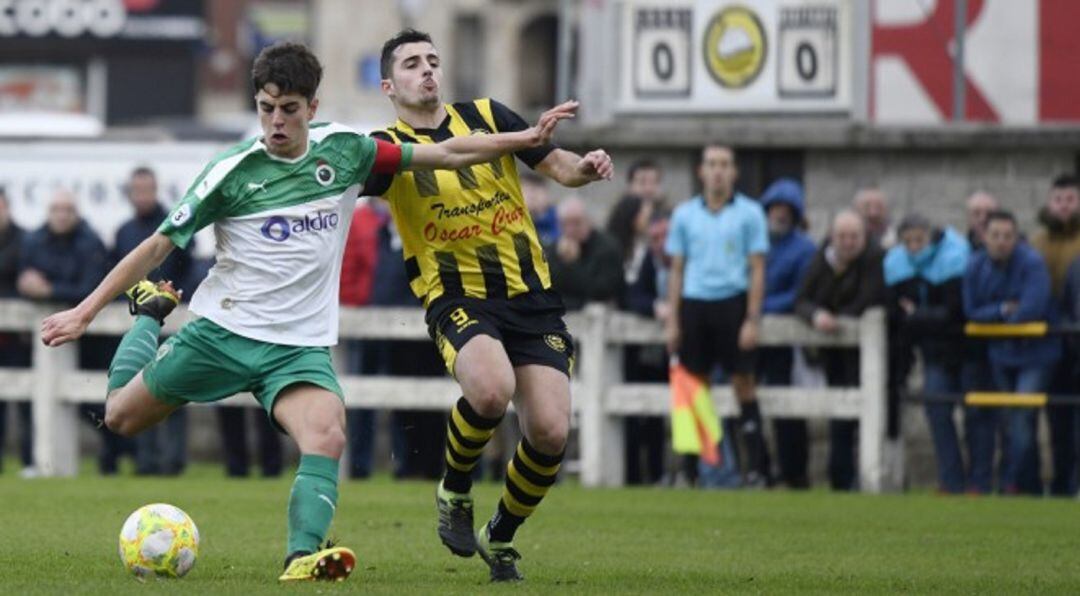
(281, 206)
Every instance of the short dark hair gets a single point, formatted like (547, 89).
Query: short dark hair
(143, 171)
(1066, 181)
(386, 60)
(1001, 215)
(639, 165)
(715, 145)
(290, 66)
(914, 221)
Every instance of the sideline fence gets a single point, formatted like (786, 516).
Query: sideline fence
(601, 397)
(1004, 399)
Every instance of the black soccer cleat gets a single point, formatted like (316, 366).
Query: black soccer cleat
(152, 300)
(456, 522)
(501, 557)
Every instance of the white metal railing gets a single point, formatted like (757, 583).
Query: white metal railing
(601, 398)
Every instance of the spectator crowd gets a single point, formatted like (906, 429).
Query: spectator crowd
(708, 268)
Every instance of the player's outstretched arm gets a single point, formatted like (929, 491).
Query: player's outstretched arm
(70, 324)
(459, 152)
(573, 170)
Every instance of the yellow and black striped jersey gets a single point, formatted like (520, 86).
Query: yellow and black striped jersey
(466, 232)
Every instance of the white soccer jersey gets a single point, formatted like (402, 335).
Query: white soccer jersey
(280, 227)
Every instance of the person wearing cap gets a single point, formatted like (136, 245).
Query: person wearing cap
(924, 276)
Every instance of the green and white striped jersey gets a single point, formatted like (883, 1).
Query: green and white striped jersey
(280, 227)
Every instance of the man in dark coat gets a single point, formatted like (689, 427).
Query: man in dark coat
(844, 279)
(14, 347)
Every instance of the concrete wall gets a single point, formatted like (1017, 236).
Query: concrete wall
(935, 183)
(344, 35)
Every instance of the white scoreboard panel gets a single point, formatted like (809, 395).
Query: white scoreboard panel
(715, 56)
(662, 52)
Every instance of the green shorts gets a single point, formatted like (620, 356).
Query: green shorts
(206, 363)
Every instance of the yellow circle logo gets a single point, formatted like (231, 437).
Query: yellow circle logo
(735, 47)
(555, 342)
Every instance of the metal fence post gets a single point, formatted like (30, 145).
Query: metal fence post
(873, 387)
(56, 437)
(600, 434)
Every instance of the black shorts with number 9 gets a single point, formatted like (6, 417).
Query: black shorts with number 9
(530, 328)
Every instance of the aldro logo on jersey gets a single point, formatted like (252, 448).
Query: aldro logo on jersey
(279, 229)
(324, 174)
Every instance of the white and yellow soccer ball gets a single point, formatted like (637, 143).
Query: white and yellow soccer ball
(159, 540)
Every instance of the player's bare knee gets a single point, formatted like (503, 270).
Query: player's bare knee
(490, 399)
(551, 439)
(327, 439)
(118, 422)
(490, 395)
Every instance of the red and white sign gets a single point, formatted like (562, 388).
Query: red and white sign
(1021, 61)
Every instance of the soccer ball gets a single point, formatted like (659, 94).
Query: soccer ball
(159, 540)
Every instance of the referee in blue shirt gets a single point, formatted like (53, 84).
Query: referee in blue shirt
(718, 241)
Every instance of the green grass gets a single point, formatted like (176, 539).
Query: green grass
(59, 537)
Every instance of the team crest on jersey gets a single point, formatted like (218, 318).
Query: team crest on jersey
(555, 342)
(163, 351)
(324, 174)
(478, 131)
(181, 216)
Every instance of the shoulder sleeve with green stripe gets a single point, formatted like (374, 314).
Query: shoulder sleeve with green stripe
(208, 199)
(390, 157)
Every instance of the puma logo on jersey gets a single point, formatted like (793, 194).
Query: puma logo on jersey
(257, 185)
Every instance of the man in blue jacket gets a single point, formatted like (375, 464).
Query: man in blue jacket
(789, 256)
(924, 278)
(1009, 283)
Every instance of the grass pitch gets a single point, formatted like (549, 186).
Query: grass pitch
(60, 537)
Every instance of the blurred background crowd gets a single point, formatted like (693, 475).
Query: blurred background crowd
(901, 158)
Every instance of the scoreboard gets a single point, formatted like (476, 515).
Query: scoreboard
(717, 56)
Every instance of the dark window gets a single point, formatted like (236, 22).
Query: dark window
(469, 45)
(538, 56)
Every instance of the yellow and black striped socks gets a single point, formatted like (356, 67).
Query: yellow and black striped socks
(467, 434)
(529, 476)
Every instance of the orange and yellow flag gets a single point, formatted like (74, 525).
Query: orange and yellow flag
(695, 427)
